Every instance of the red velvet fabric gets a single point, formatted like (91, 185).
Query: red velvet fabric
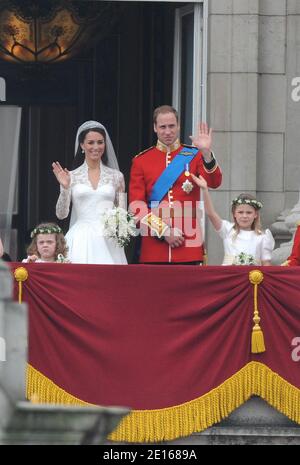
(294, 258)
(150, 337)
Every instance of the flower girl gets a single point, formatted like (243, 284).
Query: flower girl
(48, 245)
(245, 243)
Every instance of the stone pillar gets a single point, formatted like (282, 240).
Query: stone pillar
(254, 54)
(13, 328)
(13, 347)
(285, 225)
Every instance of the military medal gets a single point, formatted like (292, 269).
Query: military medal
(187, 186)
(187, 172)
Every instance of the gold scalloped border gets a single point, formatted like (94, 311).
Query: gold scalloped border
(164, 424)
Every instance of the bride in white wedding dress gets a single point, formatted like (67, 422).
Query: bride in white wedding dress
(95, 186)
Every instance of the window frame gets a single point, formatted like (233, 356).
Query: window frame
(199, 109)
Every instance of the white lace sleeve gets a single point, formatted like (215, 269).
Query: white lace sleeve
(268, 244)
(63, 203)
(121, 197)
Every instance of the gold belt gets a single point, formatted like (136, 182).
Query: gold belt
(171, 212)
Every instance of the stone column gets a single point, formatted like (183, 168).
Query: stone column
(13, 347)
(285, 225)
(254, 54)
(13, 327)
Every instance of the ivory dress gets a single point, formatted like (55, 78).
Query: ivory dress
(260, 246)
(85, 238)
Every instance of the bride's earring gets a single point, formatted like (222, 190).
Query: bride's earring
(82, 151)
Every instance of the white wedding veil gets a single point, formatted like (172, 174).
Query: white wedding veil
(112, 161)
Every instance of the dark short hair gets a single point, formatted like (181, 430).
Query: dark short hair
(163, 109)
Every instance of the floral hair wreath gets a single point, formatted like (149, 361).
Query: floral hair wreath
(45, 230)
(252, 202)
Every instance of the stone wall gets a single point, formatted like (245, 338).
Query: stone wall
(254, 52)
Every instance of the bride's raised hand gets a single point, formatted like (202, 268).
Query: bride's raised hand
(62, 175)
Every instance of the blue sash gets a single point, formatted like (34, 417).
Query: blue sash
(170, 175)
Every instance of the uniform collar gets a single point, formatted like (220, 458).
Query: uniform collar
(163, 148)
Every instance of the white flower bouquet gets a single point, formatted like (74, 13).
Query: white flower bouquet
(119, 225)
(244, 259)
(61, 259)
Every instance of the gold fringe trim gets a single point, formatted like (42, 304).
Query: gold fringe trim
(166, 424)
(197, 415)
(41, 390)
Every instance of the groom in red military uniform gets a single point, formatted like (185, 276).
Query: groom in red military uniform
(163, 196)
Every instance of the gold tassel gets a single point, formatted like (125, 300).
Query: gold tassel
(257, 338)
(257, 341)
(20, 274)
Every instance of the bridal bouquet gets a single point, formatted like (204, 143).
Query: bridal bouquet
(244, 259)
(61, 259)
(119, 225)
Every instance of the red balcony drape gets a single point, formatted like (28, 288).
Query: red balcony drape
(173, 343)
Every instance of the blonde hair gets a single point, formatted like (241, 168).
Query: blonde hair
(247, 199)
(48, 228)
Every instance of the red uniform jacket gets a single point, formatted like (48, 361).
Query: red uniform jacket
(146, 169)
(294, 258)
